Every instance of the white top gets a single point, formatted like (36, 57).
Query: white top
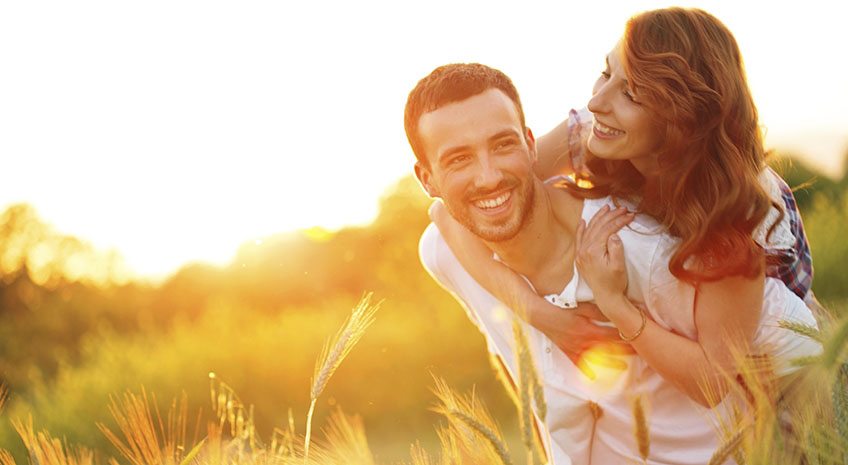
(681, 433)
(670, 302)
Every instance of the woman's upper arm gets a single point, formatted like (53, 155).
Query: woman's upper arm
(471, 252)
(563, 149)
(727, 315)
(478, 261)
(554, 156)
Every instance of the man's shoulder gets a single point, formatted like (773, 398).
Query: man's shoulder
(436, 256)
(429, 244)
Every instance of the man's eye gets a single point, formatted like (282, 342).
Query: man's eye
(503, 145)
(457, 159)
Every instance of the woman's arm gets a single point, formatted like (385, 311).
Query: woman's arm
(571, 330)
(727, 314)
(552, 150)
(563, 149)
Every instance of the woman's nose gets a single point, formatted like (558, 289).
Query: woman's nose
(599, 102)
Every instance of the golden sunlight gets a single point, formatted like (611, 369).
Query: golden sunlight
(191, 141)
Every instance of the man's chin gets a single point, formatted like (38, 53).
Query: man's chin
(495, 233)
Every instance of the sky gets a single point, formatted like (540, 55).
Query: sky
(174, 131)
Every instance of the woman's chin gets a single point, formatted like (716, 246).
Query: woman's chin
(603, 149)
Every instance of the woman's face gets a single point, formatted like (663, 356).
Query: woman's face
(622, 127)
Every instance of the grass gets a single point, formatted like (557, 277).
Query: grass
(146, 437)
(804, 422)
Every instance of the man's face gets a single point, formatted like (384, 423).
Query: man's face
(480, 163)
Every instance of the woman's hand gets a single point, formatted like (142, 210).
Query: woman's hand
(599, 254)
(572, 330)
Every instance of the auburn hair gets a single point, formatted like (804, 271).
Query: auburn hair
(685, 67)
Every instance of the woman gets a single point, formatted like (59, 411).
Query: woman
(675, 136)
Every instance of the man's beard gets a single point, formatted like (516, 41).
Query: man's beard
(522, 199)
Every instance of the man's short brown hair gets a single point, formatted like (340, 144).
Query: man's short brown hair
(447, 84)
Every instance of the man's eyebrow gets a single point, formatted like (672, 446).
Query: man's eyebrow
(505, 133)
(447, 153)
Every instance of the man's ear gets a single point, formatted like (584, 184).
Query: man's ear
(425, 177)
(531, 145)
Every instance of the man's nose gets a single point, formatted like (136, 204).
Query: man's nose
(489, 174)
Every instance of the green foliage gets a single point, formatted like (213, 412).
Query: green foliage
(805, 181)
(826, 224)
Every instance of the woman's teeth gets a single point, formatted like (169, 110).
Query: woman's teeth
(607, 130)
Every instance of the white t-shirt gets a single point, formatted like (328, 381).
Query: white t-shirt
(670, 302)
(682, 432)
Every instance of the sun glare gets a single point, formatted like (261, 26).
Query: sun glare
(186, 143)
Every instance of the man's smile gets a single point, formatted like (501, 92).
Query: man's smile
(493, 204)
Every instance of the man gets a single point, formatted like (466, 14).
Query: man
(474, 152)
(572, 330)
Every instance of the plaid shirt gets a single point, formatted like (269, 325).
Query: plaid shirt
(792, 266)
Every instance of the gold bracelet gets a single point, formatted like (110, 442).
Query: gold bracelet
(642, 328)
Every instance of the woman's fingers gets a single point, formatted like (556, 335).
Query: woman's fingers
(615, 252)
(578, 237)
(607, 221)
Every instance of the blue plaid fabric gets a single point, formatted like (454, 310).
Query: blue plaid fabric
(792, 266)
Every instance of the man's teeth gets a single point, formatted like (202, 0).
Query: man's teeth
(493, 203)
(607, 130)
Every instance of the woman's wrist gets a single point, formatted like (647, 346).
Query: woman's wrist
(612, 303)
(629, 319)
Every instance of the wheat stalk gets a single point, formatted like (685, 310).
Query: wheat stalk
(835, 344)
(840, 406)
(597, 410)
(488, 434)
(525, 385)
(418, 454)
(470, 419)
(6, 458)
(45, 450)
(334, 352)
(4, 395)
(802, 329)
(729, 447)
(805, 360)
(642, 431)
(136, 424)
(504, 377)
(344, 442)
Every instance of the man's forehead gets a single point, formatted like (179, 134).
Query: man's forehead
(491, 97)
(482, 115)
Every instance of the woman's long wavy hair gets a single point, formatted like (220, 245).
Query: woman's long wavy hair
(685, 66)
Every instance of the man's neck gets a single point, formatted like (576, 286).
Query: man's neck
(543, 251)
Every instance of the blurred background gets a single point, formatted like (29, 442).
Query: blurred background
(194, 187)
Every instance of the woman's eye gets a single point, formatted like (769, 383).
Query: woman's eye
(630, 96)
(605, 73)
